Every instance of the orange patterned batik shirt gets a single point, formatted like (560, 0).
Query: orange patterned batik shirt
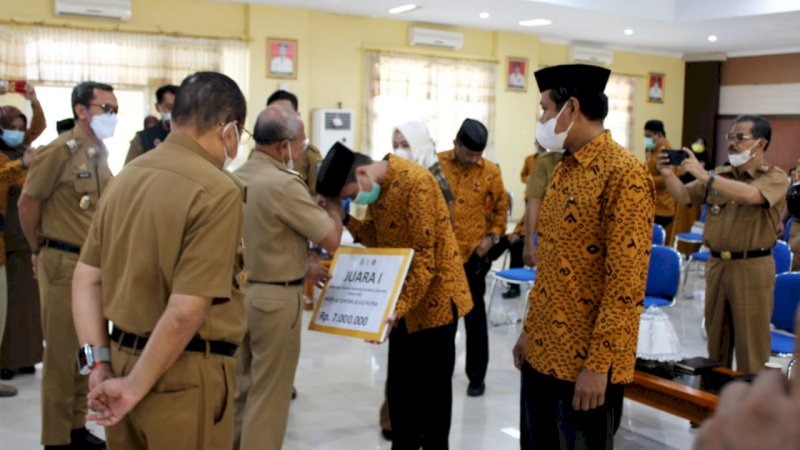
(481, 201)
(595, 227)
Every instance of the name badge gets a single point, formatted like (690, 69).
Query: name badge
(84, 175)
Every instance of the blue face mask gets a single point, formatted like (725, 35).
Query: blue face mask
(648, 143)
(365, 198)
(13, 138)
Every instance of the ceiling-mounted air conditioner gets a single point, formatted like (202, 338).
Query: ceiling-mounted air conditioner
(431, 37)
(593, 55)
(107, 9)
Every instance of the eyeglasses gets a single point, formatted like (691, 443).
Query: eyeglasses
(245, 137)
(738, 137)
(106, 107)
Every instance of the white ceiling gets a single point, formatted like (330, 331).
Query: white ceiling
(664, 26)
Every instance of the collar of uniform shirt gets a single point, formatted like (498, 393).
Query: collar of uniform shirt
(191, 145)
(586, 154)
(751, 172)
(454, 158)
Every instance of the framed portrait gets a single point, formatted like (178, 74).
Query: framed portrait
(517, 74)
(655, 88)
(281, 58)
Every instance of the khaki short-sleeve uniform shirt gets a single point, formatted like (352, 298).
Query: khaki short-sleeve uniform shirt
(734, 227)
(67, 177)
(538, 180)
(170, 223)
(279, 220)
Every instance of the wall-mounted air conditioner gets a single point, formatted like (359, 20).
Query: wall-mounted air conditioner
(431, 37)
(593, 55)
(329, 126)
(107, 9)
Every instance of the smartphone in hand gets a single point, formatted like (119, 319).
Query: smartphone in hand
(676, 157)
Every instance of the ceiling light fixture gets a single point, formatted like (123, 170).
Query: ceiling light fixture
(484, 15)
(628, 32)
(404, 8)
(535, 22)
(712, 38)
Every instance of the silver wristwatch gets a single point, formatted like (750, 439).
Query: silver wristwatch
(90, 357)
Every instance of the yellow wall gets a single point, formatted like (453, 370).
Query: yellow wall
(639, 65)
(225, 20)
(331, 68)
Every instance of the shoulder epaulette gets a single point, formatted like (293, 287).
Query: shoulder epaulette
(723, 170)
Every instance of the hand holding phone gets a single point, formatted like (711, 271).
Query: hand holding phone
(676, 157)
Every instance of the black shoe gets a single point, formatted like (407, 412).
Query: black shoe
(82, 439)
(27, 370)
(57, 447)
(294, 392)
(7, 374)
(511, 292)
(387, 434)
(476, 391)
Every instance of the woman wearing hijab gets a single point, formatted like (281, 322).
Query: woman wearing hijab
(21, 345)
(413, 142)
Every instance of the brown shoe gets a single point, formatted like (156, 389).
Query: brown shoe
(7, 391)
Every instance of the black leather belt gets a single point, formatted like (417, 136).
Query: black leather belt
(296, 282)
(136, 342)
(63, 246)
(727, 256)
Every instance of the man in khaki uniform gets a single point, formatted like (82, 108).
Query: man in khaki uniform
(307, 164)
(744, 201)
(534, 191)
(279, 219)
(160, 262)
(56, 207)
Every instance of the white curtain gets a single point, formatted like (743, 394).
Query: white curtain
(621, 90)
(52, 56)
(440, 92)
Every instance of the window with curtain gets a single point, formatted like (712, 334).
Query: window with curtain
(55, 60)
(620, 91)
(440, 92)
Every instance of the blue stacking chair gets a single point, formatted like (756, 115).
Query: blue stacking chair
(663, 277)
(787, 229)
(692, 238)
(522, 276)
(783, 257)
(659, 234)
(787, 298)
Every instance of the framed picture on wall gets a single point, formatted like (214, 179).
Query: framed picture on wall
(281, 58)
(655, 88)
(517, 74)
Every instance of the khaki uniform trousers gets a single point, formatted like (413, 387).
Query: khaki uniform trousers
(64, 389)
(266, 364)
(739, 300)
(189, 408)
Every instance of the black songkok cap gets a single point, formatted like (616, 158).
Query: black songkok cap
(656, 126)
(472, 135)
(334, 170)
(584, 77)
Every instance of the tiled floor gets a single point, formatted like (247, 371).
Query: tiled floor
(340, 383)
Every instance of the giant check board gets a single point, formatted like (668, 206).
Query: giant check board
(362, 292)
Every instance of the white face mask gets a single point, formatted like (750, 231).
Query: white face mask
(740, 159)
(103, 125)
(166, 117)
(403, 153)
(547, 136)
(228, 159)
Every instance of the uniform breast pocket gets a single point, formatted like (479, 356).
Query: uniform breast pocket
(84, 182)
